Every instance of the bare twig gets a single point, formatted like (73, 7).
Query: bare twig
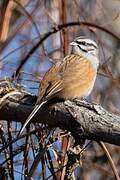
(110, 161)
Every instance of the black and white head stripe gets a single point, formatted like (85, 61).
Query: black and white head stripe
(86, 42)
(85, 45)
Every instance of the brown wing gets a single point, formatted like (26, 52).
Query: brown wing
(51, 83)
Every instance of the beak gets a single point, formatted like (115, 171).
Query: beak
(73, 43)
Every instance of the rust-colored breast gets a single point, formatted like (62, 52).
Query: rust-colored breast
(79, 77)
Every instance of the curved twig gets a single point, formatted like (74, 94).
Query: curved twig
(110, 160)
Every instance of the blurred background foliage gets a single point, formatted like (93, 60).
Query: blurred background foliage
(22, 24)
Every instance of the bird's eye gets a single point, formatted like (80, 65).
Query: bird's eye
(84, 43)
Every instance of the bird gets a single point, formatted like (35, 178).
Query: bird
(72, 77)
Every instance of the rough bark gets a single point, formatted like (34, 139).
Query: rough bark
(82, 119)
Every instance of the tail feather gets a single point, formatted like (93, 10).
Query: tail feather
(35, 110)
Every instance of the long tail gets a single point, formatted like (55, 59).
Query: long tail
(35, 110)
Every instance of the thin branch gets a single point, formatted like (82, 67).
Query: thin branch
(65, 32)
(11, 152)
(110, 161)
(5, 19)
(37, 159)
(51, 165)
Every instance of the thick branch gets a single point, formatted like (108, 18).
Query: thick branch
(82, 119)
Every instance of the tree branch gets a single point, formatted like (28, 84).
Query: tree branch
(82, 119)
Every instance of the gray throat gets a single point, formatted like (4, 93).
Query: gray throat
(93, 59)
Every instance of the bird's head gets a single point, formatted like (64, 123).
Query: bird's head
(84, 45)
